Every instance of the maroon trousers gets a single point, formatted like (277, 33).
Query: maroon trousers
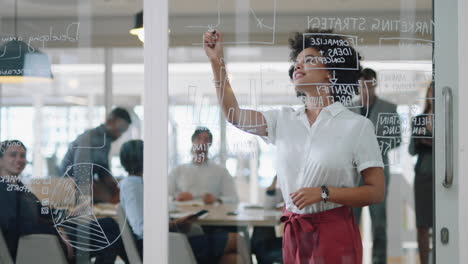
(329, 237)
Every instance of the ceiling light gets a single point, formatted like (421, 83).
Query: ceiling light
(138, 29)
(20, 62)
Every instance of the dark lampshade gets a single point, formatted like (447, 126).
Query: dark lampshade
(138, 28)
(20, 62)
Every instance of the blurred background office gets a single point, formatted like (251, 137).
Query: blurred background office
(90, 63)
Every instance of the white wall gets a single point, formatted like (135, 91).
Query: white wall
(463, 128)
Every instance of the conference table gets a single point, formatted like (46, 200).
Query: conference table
(242, 215)
(229, 214)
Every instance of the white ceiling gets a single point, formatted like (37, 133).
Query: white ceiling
(63, 8)
(180, 7)
(106, 22)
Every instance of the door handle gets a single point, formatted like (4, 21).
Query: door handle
(448, 106)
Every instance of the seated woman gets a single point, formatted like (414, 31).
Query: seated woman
(21, 210)
(212, 248)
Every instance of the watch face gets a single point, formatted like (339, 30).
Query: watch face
(324, 195)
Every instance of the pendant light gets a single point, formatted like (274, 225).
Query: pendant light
(138, 30)
(20, 62)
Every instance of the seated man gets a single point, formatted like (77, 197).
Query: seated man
(213, 248)
(202, 178)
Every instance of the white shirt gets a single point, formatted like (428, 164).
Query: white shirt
(199, 179)
(131, 200)
(332, 152)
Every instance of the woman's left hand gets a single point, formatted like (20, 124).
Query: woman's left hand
(306, 196)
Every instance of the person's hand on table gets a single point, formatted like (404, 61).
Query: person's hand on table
(183, 224)
(306, 196)
(184, 196)
(209, 198)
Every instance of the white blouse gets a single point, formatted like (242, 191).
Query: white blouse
(332, 152)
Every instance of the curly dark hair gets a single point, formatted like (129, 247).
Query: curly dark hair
(326, 41)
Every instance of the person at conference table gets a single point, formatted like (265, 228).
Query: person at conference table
(221, 247)
(374, 107)
(21, 209)
(323, 149)
(202, 178)
(93, 146)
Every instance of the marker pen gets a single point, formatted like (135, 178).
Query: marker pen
(216, 37)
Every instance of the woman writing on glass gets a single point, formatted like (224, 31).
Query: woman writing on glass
(322, 147)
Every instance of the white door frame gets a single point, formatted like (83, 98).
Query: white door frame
(451, 43)
(463, 129)
(155, 131)
(451, 70)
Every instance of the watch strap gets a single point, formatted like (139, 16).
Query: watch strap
(325, 193)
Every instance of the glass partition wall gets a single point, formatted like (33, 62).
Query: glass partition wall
(71, 120)
(395, 44)
(65, 67)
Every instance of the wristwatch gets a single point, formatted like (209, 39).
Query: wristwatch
(325, 193)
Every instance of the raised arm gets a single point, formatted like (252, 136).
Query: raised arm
(250, 121)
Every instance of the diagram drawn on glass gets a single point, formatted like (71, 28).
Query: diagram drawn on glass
(422, 124)
(339, 49)
(199, 112)
(407, 41)
(199, 109)
(391, 125)
(72, 208)
(404, 82)
(13, 55)
(342, 48)
(70, 34)
(388, 144)
(259, 24)
(409, 48)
